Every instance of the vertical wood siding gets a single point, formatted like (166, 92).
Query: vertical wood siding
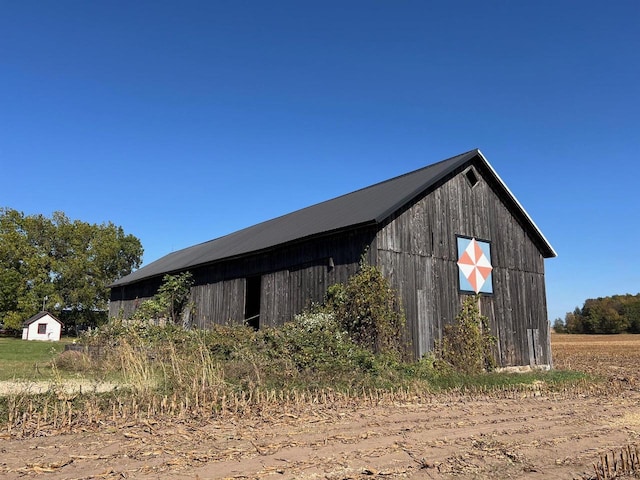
(417, 250)
(124, 300)
(226, 298)
(275, 299)
(292, 278)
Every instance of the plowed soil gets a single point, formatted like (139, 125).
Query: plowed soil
(533, 435)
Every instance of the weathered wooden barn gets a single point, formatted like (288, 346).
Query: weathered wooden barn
(439, 233)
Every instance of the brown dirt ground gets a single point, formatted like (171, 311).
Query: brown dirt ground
(535, 435)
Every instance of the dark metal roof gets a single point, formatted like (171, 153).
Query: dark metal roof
(369, 205)
(37, 317)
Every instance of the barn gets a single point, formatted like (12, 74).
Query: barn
(439, 233)
(42, 326)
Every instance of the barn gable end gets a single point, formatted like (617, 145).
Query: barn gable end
(417, 251)
(409, 226)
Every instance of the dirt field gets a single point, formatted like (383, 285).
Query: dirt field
(532, 435)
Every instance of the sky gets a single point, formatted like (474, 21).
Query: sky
(183, 121)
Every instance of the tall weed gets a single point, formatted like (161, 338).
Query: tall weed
(369, 310)
(467, 344)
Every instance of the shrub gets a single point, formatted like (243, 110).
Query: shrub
(316, 342)
(467, 345)
(369, 310)
(171, 301)
(72, 361)
(232, 342)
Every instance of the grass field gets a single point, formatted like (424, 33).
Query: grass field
(28, 360)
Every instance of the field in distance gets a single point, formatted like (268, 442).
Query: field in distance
(615, 357)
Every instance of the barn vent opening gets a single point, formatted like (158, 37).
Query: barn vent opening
(472, 177)
(252, 302)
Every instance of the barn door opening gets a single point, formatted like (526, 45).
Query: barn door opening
(253, 286)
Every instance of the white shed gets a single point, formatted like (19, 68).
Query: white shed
(42, 326)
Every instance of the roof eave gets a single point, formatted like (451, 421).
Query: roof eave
(371, 222)
(550, 252)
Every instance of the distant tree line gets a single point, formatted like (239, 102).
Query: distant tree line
(615, 314)
(61, 266)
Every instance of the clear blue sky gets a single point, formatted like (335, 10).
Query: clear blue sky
(184, 121)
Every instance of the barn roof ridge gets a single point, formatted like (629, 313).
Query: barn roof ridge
(379, 218)
(368, 205)
(452, 163)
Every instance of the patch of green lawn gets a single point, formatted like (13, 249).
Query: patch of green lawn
(28, 359)
(506, 381)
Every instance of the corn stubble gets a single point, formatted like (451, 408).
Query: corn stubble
(620, 463)
(191, 386)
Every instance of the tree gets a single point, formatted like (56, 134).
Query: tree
(631, 311)
(467, 344)
(614, 314)
(558, 326)
(23, 266)
(573, 321)
(61, 265)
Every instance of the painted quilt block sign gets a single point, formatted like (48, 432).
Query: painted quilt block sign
(474, 265)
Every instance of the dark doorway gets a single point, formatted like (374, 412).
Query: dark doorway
(252, 302)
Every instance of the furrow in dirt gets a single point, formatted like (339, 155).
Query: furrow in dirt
(539, 437)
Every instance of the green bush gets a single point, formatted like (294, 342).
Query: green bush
(368, 309)
(316, 342)
(171, 301)
(466, 345)
(232, 342)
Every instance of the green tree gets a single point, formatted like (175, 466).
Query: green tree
(603, 315)
(573, 321)
(558, 326)
(59, 264)
(614, 314)
(631, 310)
(23, 266)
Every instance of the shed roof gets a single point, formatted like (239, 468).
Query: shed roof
(39, 316)
(369, 205)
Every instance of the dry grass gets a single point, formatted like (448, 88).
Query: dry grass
(72, 361)
(196, 389)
